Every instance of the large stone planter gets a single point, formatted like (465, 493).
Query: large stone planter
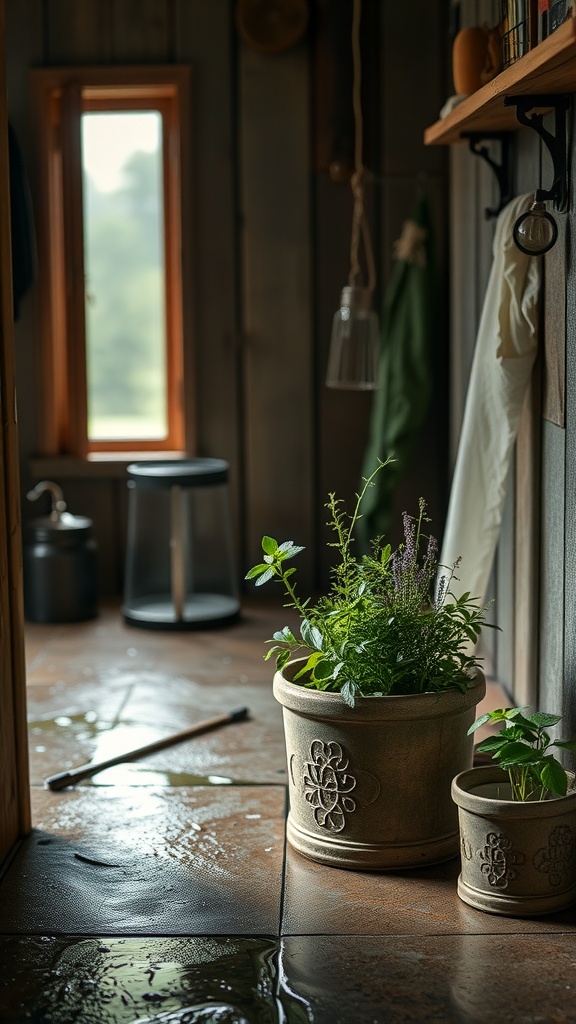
(370, 785)
(517, 858)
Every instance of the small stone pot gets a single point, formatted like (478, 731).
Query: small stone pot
(518, 858)
(370, 785)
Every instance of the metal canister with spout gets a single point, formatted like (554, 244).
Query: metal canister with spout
(60, 563)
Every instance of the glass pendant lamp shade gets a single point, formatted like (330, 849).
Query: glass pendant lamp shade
(355, 344)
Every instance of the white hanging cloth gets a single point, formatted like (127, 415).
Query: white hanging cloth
(505, 351)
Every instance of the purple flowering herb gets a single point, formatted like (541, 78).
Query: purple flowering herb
(426, 573)
(409, 552)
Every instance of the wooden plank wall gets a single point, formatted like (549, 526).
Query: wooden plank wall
(413, 86)
(524, 520)
(275, 203)
(510, 652)
(535, 567)
(568, 698)
(557, 661)
(270, 250)
(472, 191)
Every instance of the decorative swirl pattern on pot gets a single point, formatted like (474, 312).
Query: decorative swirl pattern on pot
(327, 785)
(557, 859)
(499, 860)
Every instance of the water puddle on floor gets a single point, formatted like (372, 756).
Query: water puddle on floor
(86, 726)
(137, 981)
(110, 739)
(140, 775)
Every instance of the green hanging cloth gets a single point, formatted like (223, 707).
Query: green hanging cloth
(405, 378)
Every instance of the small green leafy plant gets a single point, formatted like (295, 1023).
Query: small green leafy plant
(522, 750)
(381, 629)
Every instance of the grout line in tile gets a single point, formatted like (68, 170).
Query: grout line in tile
(413, 936)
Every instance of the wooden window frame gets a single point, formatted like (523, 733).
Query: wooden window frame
(61, 95)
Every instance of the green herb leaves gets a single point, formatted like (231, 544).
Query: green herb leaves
(275, 555)
(380, 629)
(522, 750)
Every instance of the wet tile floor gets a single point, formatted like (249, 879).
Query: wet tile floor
(162, 890)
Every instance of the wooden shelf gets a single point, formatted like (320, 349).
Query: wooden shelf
(549, 68)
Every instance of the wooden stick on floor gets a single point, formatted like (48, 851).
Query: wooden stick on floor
(85, 771)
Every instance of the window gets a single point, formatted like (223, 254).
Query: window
(112, 147)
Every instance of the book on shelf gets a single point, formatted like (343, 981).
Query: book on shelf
(519, 29)
(551, 14)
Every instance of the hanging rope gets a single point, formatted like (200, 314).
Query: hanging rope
(360, 229)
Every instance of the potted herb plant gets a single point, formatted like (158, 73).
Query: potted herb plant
(518, 819)
(378, 690)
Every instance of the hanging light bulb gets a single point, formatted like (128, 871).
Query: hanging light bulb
(535, 231)
(355, 343)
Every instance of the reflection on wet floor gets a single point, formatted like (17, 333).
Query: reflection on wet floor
(136, 981)
(81, 723)
(85, 726)
(109, 739)
(134, 775)
(162, 890)
(149, 860)
(298, 980)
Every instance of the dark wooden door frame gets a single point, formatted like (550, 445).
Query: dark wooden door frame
(14, 775)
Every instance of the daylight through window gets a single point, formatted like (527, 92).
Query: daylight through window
(124, 269)
(111, 251)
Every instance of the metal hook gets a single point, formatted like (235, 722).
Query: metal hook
(555, 142)
(501, 170)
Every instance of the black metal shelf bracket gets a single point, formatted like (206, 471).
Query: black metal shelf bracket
(501, 169)
(555, 142)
